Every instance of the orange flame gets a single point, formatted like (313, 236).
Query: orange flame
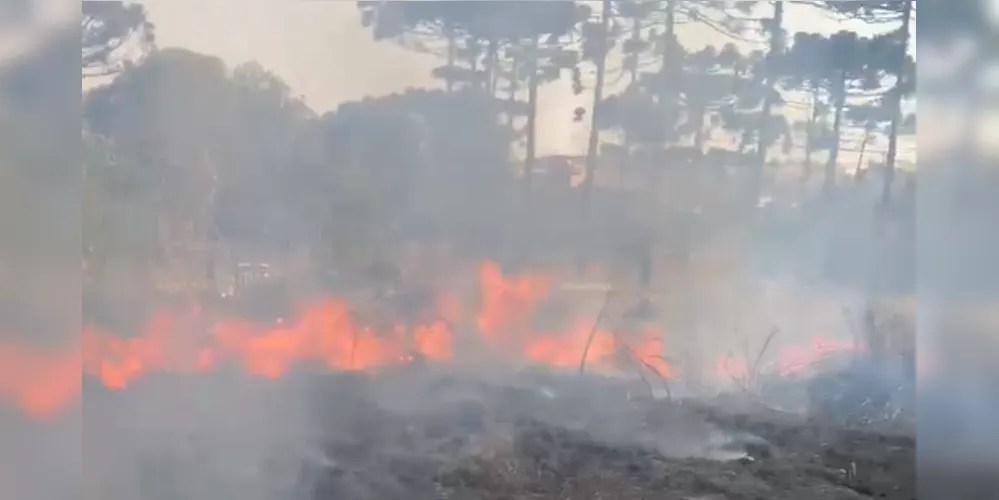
(791, 360)
(323, 333)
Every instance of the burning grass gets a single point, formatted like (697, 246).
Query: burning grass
(338, 401)
(504, 323)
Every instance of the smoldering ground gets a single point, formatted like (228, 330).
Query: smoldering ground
(225, 434)
(423, 431)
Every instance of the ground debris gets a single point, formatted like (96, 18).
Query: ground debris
(513, 443)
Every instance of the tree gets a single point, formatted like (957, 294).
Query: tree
(875, 115)
(422, 25)
(803, 70)
(529, 35)
(597, 42)
(901, 12)
(713, 89)
(541, 44)
(166, 115)
(843, 64)
(447, 177)
(113, 33)
(200, 148)
(118, 221)
(775, 54)
(734, 20)
(647, 17)
(725, 88)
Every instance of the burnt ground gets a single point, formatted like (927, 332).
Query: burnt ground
(533, 442)
(421, 435)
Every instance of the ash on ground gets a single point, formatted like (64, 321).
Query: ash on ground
(539, 435)
(423, 432)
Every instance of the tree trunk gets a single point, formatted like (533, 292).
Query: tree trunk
(699, 113)
(473, 61)
(532, 116)
(636, 36)
(669, 35)
(896, 104)
(776, 50)
(492, 55)
(863, 150)
(829, 181)
(598, 90)
(810, 132)
(511, 98)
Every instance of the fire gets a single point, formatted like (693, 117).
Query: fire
(507, 302)
(39, 384)
(566, 350)
(324, 333)
(791, 360)
(795, 359)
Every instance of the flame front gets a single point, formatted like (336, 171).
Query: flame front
(323, 333)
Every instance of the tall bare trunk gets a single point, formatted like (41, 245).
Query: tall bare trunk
(773, 55)
(668, 67)
(863, 151)
(810, 131)
(896, 104)
(473, 60)
(532, 116)
(699, 113)
(669, 35)
(492, 56)
(636, 37)
(598, 90)
(829, 181)
(511, 97)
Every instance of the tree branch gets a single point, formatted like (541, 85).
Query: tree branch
(724, 31)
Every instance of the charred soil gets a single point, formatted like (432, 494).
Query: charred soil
(520, 443)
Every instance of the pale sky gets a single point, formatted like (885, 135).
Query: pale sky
(320, 49)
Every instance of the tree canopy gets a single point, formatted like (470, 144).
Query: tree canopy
(207, 156)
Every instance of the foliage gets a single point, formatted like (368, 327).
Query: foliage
(450, 154)
(483, 19)
(716, 89)
(110, 29)
(182, 149)
(872, 11)
(182, 145)
(861, 62)
(851, 71)
(509, 26)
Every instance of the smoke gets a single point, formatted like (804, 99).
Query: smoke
(40, 460)
(227, 434)
(196, 438)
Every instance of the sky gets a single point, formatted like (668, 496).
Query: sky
(321, 50)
